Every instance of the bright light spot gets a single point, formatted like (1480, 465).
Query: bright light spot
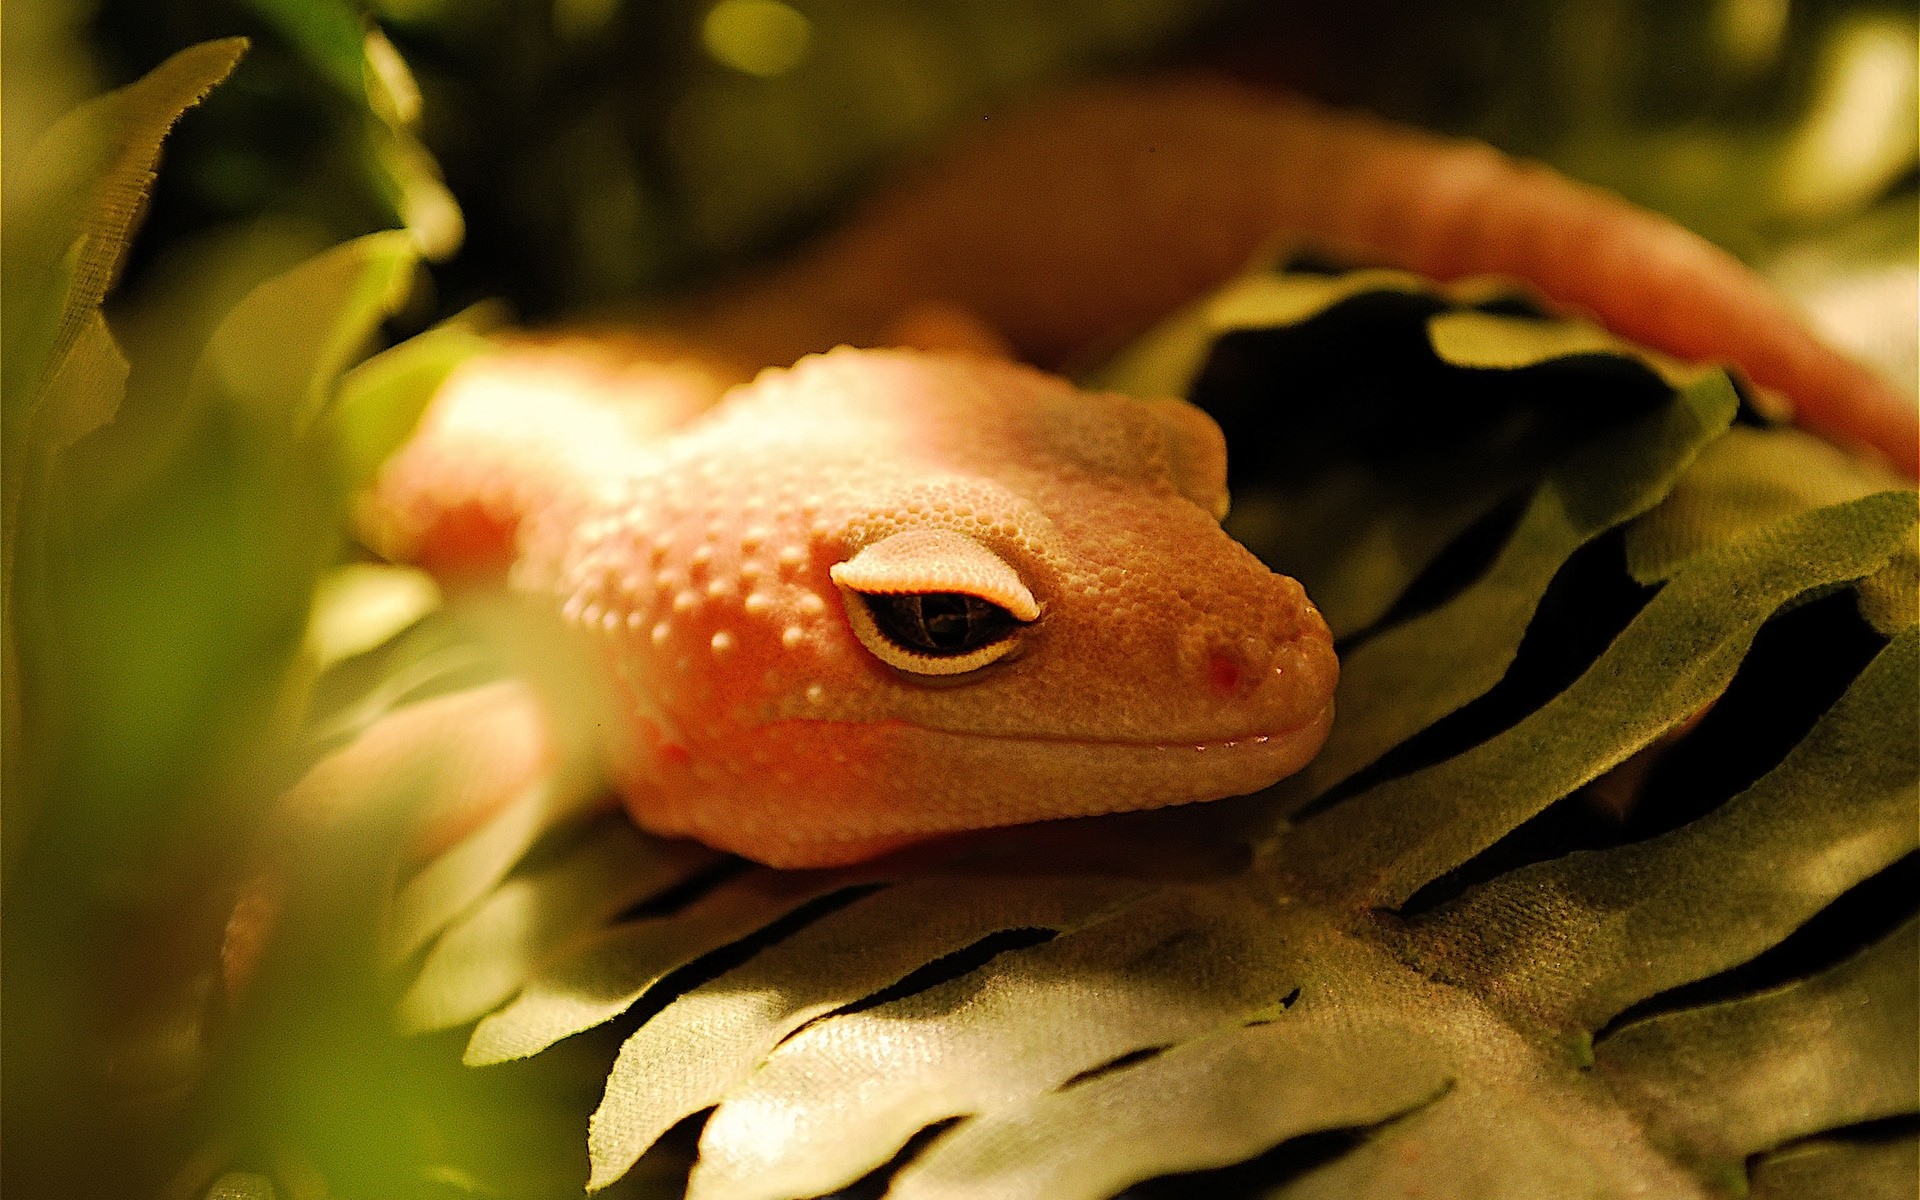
(758, 37)
(1860, 134)
(1872, 315)
(361, 605)
(390, 85)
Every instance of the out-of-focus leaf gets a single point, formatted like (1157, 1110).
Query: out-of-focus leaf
(1856, 139)
(364, 68)
(68, 222)
(243, 1185)
(274, 355)
(604, 975)
(451, 883)
(172, 561)
(82, 392)
(382, 398)
(91, 174)
(360, 606)
(329, 33)
(1857, 285)
(485, 957)
(204, 567)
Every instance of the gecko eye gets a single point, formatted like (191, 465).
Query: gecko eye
(932, 633)
(933, 602)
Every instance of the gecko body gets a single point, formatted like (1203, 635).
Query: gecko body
(882, 595)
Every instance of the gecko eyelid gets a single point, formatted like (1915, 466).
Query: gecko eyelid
(931, 633)
(934, 602)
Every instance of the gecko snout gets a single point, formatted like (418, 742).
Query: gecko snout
(1279, 678)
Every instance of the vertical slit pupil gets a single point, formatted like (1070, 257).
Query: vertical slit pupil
(939, 623)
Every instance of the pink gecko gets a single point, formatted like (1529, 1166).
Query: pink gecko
(888, 594)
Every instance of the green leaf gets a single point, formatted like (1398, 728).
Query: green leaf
(82, 393)
(336, 39)
(1237, 1089)
(1411, 675)
(453, 882)
(1206, 976)
(840, 1097)
(89, 179)
(328, 33)
(1166, 361)
(1674, 659)
(1745, 480)
(381, 399)
(484, 958)
(1582, 938)
(1844, 1045)
(1359, 523)
(1490, 341)
(361, 606)
(1752, 478)
(706, 1042)
(69, 220)
(1839, 1170)
(273, 356)
(604, 975)
(203, 563)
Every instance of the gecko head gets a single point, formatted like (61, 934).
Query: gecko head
(1008, 601)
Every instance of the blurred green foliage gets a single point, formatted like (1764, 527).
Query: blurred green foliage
(605, 150)
(180, 452)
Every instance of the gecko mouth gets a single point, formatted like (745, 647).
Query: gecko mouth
(1248, 741)
(1085, 776)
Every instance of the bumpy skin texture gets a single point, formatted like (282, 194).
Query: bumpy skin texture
(1165, 663)
(696, 552)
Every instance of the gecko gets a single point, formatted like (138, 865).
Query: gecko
(859, 569)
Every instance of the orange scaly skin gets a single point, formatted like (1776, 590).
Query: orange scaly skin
(698, 552)
(1165, 664)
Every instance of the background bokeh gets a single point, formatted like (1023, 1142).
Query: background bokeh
(603, 150)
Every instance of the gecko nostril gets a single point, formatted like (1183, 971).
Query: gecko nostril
(1235, 671)
(1224, 674)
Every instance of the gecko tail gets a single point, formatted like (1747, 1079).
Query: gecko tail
(1082, 220)
(1450, 209)
(523, 438)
